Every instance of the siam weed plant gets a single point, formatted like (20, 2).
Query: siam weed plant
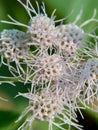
(59, 62)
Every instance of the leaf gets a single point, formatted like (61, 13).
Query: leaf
(7, 119)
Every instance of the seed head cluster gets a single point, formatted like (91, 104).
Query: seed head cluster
(48, 67)
(13, 44)
(58, 62)
(42, 31)
(69, 37)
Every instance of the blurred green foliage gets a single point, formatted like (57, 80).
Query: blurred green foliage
(9, 111)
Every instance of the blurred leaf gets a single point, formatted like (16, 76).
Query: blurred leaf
(7, 119)
(89, 120)
(7, 103)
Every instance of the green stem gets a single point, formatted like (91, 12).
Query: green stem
(8, 79)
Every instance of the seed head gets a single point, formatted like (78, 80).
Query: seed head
(89, 78)
(14, 44)
(69, 37)
(47, 68)
(42, 31)
(46, 105)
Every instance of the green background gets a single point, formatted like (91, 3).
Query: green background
(9, 111)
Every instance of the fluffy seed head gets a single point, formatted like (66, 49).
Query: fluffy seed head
(69, 82)
(14, 44)
(69, 37)
(89, 77)
(46, 104)
(42, 30)
(49, 67)
(91, 69)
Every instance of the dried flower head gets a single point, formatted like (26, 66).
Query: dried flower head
(14, 49)
(14, 45)
(47, 105)
(46, 68)
(69, 37)
(70, 82)
(89, 77)
(42, 31)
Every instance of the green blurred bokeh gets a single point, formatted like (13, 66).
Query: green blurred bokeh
(9, 111)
